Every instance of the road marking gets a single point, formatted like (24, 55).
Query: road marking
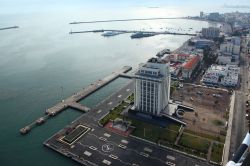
(120, 96)
(93, 148)
(170, 157)
(113, 156)
(99, 111)
(87, 153)
(110, 103)
(148, 150)
(169, 163)
(128, 90)
(108, 147)
(124, 141)
(106, 135)
(106, 162)
(103, 139)
(122, 146)
(92, 129)
(135, 164)
(144, 154)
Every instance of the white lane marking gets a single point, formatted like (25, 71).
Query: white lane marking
(99, 111)
(113, 156)
(122, 146)
(106, 162)
(144, 154)
(170, 164)
(103, 139)
(148, 150)
(110, 103)
(119, 96)
(127, 90)
(87, 153)
(93, 148)
(124, 141)
(106, 135)
(92, 129)
(170, 157)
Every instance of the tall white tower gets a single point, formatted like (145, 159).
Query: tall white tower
(152, 87)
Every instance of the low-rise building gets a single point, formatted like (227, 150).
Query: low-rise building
(189, 66)
(211, 32)
(222, 75)
(202, 43)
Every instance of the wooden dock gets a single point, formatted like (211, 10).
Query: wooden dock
(72, 101)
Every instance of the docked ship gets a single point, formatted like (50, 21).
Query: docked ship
(142, 34)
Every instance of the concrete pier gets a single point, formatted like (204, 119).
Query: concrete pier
(131, 31)
(13, 27)
(72, 101)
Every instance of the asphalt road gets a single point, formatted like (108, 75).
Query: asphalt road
(239, 128)
(102, 147)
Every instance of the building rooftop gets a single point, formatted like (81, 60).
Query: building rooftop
(155, 60)
(191, 62)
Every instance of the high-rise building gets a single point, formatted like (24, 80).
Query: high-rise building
(152, 87)
(201, 14)
(211, 32)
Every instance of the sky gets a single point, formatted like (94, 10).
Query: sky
(12, 6)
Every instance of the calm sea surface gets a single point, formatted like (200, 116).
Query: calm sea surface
(41, 56)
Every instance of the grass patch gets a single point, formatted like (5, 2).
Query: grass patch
(204, 135)
(217, 150)
(115, 113)
(131, 97)
(154, 133)
(196, 143)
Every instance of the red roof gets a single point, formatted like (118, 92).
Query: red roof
(191, 62)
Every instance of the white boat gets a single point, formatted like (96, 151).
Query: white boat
(111, 33)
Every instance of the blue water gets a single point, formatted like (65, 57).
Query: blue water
(40, 59)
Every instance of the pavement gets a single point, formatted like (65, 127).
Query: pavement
(100, 146)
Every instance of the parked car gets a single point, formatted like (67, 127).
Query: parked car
(199, 93)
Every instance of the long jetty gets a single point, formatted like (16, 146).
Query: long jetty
(72, 101)
(134, 31)
(132, 19)
(13, 27)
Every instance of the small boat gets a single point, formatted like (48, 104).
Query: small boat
(111, 33)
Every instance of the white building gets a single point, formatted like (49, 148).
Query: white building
(229, 51)
(222, 75)
(152, 87)
(229, 47)
(211, 32)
